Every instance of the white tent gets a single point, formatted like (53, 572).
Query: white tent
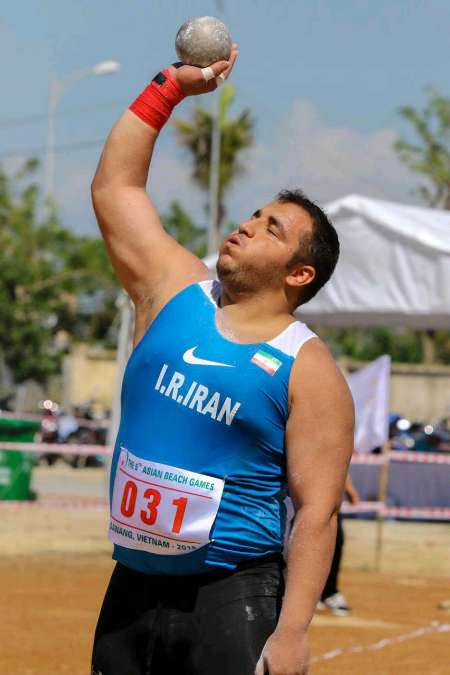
(394, 267)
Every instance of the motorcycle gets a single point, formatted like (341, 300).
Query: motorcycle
(49, 429)
(81, 428)
(405, 435)
(75, 428)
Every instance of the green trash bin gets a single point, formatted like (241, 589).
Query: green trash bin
(16, 466)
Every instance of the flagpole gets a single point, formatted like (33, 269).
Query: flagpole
(382, 497)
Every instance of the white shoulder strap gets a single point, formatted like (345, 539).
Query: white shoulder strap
(211, 288)
(293, 338)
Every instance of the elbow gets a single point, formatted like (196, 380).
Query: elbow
(101, 202)
(94, 193)
(101, 183)
(96, 200)
(318, 516)
(100, 193)
(97, 186)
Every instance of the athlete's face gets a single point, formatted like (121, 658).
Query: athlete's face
(257, 254)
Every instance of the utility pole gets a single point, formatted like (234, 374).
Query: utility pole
(214, 169)
(57, 87)
(214, 178)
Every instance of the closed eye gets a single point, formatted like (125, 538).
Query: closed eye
(278, 226)
(274, 227)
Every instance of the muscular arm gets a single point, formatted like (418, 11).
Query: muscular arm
(143, 254)
(151, 265)
(319, 446)
(319, 443)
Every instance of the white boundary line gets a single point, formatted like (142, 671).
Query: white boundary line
(433, 627)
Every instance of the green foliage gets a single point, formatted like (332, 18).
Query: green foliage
(178, 223)
(53, 282)
(44, 271)
(236, 135)
(430, 155)
(442, 346)
(368, 344)
(404, 345)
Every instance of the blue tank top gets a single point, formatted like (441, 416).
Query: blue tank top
(198, 477)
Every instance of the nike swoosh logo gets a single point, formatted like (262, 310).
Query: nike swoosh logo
(189, 357)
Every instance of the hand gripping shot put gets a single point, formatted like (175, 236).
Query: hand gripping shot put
(229, 403)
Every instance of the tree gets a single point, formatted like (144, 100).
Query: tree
(367, 344)
(44, 272)
(178, 223)
(236, 135)
(430, 155)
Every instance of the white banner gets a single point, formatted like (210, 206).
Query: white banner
(370, 390)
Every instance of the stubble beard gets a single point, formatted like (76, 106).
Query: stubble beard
(246, 279)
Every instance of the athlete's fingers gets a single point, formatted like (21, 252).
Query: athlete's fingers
(194, 80)
(219, 67)
(207, 73)
(223, 76)
(232, 60)
(261, 666)
(220, 79)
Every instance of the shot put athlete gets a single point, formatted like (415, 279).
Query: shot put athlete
(227, 403)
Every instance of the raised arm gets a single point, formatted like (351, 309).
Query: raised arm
(319, 444)
(151, 265)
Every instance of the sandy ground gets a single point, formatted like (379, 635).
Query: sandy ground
(55, 564)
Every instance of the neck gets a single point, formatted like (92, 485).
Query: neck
(265, 306)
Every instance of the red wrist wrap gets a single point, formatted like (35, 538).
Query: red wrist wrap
(155, 104)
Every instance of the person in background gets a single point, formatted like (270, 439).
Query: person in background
(331, 598)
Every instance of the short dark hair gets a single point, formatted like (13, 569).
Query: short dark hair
(320, 249)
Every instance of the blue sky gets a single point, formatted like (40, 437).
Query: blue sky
(324, 80)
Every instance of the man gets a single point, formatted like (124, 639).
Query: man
(226, 401)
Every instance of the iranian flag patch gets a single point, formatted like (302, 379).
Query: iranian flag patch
(266, 361)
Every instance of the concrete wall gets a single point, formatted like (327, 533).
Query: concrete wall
(419, 392)
(89, 374)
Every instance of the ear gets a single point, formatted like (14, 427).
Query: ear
(300, 275)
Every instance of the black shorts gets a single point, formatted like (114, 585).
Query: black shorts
(205, 624)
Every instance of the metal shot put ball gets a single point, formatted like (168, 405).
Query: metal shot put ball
(203, 40)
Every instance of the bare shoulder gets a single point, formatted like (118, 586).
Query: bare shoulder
(317, 379)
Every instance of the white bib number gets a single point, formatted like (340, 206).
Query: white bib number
(162, 509)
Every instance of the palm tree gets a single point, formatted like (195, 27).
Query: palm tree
(236, 135)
